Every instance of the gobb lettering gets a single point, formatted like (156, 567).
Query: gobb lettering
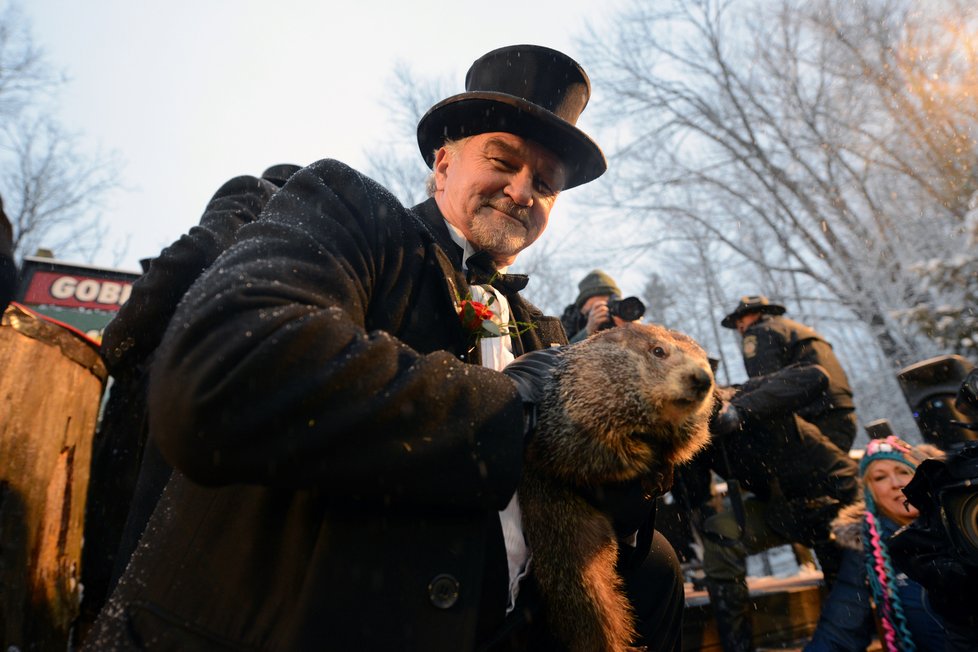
(91, 291)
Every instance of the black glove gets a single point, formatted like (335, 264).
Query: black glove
(531, 372)
(629, 504)
(727, 421)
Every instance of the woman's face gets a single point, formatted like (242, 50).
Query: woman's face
(886, 479)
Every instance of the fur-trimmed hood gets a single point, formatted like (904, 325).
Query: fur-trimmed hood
(847, 527)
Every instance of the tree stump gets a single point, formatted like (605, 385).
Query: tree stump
(51, 383)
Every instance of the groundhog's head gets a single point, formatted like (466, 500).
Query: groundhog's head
(623, 402)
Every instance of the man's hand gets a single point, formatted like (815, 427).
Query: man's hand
(531, 372)
(597, 317)
(727, 421)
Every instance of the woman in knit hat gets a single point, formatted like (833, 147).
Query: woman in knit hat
(866, 578)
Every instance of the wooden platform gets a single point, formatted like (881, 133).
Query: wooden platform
(785, 613)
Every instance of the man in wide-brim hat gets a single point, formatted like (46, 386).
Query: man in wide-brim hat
(346, 450)
(771, 343)
(743, 315)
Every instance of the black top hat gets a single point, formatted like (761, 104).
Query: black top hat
(531, 91)
(279, 174)
(747, 305)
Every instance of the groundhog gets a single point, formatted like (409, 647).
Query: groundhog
(625, 403)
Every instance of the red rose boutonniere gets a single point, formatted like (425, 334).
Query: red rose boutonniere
(480, 321)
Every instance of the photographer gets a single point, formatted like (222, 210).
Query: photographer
(940, 549)
(598, 306)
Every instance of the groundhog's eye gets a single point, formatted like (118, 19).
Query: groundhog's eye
(659, 352)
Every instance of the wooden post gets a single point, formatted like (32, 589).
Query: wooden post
(51, 383)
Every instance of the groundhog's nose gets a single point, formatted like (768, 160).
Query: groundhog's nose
(700, 382)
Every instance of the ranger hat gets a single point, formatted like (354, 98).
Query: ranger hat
(749, 304)
(531, 91)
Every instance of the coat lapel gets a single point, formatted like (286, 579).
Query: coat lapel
(546, 332)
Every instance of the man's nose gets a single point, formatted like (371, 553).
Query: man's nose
(520, 187)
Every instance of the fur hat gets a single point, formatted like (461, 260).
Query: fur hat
(594, 284)
(527, 90)
(749, 304)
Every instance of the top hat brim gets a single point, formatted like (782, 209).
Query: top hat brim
(730, 321)
(479, 112)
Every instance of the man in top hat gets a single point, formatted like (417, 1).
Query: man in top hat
(346, 451)
(772, 343)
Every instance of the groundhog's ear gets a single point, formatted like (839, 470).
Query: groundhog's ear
(618, 335)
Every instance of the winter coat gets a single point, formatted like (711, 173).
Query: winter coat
(847, 621)
(116, 512)
(340, 467)
(774, 342)
(783, 459)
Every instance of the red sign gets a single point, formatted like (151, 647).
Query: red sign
(76, 291)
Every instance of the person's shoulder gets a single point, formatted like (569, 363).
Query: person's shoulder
(797, 329)
(338, 178)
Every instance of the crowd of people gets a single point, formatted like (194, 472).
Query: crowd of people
(322, 398)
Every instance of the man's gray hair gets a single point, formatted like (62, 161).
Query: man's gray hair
(453, 147)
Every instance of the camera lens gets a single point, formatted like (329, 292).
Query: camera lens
(628, 309)
(962, 511)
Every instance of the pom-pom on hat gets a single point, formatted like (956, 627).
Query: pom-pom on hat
(889, 448)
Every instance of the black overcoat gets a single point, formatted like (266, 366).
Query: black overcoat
(339, 465)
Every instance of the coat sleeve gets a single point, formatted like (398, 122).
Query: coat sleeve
(846, 622)
(136, 331)
(267, 373)
(784, 391)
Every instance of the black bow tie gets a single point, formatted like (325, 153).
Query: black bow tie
(482, 271)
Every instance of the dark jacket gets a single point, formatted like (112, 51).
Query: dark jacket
(847, 621)
(8, 271)
(774, 342)
(783, 459)
(340, 466)
(116, 511)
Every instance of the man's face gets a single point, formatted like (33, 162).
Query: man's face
(745, 321)
(498, 189)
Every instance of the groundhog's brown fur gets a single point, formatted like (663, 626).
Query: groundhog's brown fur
(621, 405)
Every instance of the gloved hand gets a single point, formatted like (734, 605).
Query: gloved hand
(629, 504)
(531, 372)
(727, 421)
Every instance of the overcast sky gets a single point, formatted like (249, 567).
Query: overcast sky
(191, 93)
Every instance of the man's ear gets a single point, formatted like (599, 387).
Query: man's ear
(440, 167)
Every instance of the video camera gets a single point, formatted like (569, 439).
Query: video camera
(931, 387)
(939, 550)
(627, 309)
(947, 490)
